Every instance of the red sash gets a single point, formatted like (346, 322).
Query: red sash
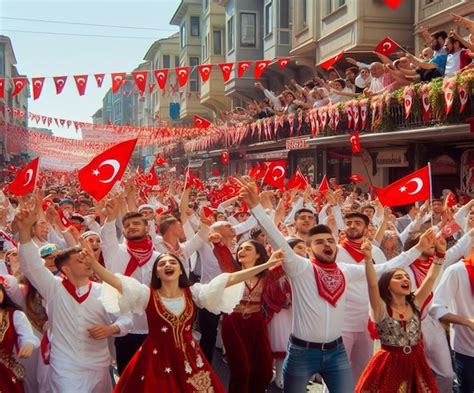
(330, 281)
(469, 263)
(45, 348)
(72, 290)
(224, 257)
(420, 269)
(140, 253)
(353, 248)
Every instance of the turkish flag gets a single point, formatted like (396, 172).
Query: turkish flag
(205, 71)
(182, 74)
(18, 85)
(140, 80)
(260, 67)
(47, 203)
(332, 61)
(297, 181)
(356, 178)
(25, 179)
(275, 173)
(160, 161)
(283, 62)
(225, 159)
(258, 171)
(2, 87)
(215, 172)
(64, 220)
(161, 76)
(81, 83)
(387, 46)
(324, 185)
(59, 82)
(226, 69)
(207, 212)
(355, 143)
(201, 122)
(151, 178)
(99, 78)
(412, 188)
(99, 176)
(193, 180)
(450, 229)
(242, 67)
(117, 81)
(450, 200)
(37, 87)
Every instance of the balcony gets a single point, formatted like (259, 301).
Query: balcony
(384, 115)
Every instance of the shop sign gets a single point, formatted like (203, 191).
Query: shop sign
(295, 144)
(391, 158)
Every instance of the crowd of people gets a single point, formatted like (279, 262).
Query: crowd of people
(444, 55)
(297, 284)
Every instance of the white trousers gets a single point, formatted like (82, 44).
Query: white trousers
(360, 349)
(80, 381)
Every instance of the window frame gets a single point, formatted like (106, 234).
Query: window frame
(241, 19)
(230, 34)
(214, 42)
(193, 26)
(182, 35)
(268, 19)
(194, 75)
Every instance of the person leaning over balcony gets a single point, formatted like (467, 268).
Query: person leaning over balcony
(434, 40)
(458, 56)
(271, 96)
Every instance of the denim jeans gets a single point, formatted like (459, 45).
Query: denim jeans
(333, 366)
(464, 366)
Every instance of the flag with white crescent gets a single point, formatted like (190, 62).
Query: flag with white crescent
(409, 189)
(161, 76)
(99, 176)
(37, 86)
(205, 71)
(387, 46)
(81, 83)
(117, 81)
(140, 80)
(2, 87)
(59, 82)
(182, 73)
(18, 85)
(25, 179)
(275, 174)
(201, 122)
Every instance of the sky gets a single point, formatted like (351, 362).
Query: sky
(40, 54)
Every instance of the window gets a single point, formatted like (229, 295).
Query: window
(204, 48)
(217, 37)
(284, 14)
(304, 13)
(333, 5)
(182, 35)
(2, 59)
(194, 77)
(230, 34)
(166, 61)
(176, 61)
(248, 30)
(195, 26)
(268, 19)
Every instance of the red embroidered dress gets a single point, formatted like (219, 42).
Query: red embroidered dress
(400, 365)
(170, 360)
(12, 373)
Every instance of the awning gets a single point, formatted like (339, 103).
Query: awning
(270, 155)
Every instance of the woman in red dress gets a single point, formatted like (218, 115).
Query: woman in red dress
(170, 360)
(244, 331)
(16, 335)
(400, 365)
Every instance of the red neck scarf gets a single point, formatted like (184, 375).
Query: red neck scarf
(330, 281)
(353, 248)
(73, 291)
(140, 253)
(224, 258)
(420, 269)
(469, 263)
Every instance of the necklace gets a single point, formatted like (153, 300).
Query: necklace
(401, 315)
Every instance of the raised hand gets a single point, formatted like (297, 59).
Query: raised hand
(276, 257)
(26, 351)
(426, 241)
(112, 208)
(248, 193)
(366, 249)
(440, 245)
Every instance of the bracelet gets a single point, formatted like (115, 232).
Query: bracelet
(440, 255)
(439, 264)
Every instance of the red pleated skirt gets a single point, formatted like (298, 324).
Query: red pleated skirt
(391, 370)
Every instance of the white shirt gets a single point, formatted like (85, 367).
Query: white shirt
(453, 63)
(454, 296)
(314, 319)
(71, 345)
(116, 259)
(24, 330)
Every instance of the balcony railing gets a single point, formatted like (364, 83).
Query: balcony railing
(386, 113)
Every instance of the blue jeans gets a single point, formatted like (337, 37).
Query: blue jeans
(302, 363)
(464, 366)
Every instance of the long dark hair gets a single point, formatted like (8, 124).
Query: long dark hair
(7, 302)
(384, 283)
(259, 249)
(156, 281)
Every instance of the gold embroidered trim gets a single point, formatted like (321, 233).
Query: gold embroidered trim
(4, 325)
(201, 382)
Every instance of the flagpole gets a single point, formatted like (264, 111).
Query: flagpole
(367, 172)
(431, 191)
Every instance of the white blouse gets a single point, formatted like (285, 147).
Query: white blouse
(214, 296)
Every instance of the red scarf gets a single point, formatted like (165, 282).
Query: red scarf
(353, 248)
(330, 281)
(469, 263)
(73, 292)
(420, 269)
(224, 258)
(140, 253)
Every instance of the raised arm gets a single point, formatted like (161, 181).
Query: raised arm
(376, 302)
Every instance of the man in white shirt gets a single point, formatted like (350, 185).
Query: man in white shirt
(454, 303)
(79, 323)
(135, 259)
(319, 302)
